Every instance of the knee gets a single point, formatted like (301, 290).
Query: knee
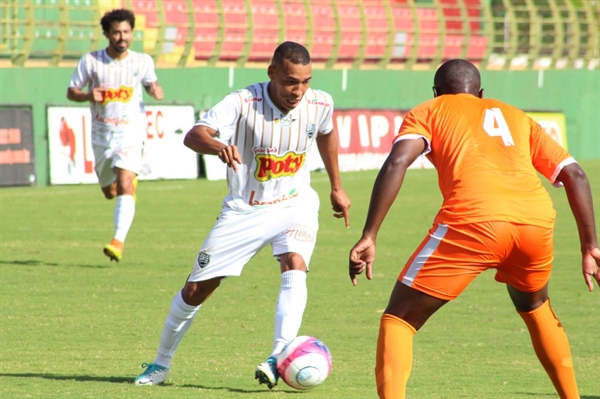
(531, 305)
(108, 194)
(194, 293)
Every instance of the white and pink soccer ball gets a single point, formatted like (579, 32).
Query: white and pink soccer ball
(304, 363)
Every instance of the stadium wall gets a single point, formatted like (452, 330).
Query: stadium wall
(575, 93)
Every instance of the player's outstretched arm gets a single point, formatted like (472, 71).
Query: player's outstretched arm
(386, 188)
(328, 149)
(201, 139)
(579, 194)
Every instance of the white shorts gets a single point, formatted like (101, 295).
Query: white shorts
(237, 237)
(123, 156)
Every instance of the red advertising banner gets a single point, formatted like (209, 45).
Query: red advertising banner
(366, 138)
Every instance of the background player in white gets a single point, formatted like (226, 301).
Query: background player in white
(114, 78)
(263, 133)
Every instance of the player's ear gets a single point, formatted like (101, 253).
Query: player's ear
(271, 71)
(480, 93)
(434, 92)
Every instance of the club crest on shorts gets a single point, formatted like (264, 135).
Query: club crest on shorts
(311, 129)
(203, 259)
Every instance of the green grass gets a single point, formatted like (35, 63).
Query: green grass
(73, 325)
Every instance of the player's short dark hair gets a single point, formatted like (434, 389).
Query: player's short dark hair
(118, 15)
(291, 51)
(457, 76)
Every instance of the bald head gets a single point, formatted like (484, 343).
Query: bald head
(457, 76)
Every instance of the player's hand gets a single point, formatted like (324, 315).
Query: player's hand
(98, 94)
(156, 91)
(341, 205)
(230, 156)
(362, 256)
(591, 267)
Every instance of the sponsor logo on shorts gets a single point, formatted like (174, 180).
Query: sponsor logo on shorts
(203, 259)
(273, 167)
(123, 94)
(301, 232)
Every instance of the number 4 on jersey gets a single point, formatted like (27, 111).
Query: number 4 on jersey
(495, 125)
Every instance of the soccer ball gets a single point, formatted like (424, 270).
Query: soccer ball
(304, 363)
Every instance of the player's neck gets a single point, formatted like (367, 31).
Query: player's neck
(116, 55)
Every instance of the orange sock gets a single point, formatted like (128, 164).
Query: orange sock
(552, 349)
(394, 357)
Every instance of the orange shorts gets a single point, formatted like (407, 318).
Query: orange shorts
(451, 256)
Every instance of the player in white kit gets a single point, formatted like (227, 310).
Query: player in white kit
(114, 78)
(263, 133)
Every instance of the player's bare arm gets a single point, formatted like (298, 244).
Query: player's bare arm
(201, 140)
(77, 95)
(579, 194)
(155, 90)
(328, 149)
(386, 188)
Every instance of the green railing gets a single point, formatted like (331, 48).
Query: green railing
(410, 34)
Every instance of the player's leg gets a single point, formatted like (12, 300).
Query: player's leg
(289, 310)
(443, 265)
(183, 310)
(227, 248)
(407, 311)
(121, 163)
(124, 211)
(293, 245)
(548, 338)
(526, 271)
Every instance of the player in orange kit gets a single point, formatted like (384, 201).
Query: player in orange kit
(495, 214)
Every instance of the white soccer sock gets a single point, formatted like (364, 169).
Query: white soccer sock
(178, 322)
(123, 216)
(290, 308)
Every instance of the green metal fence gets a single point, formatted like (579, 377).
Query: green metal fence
(409, 34)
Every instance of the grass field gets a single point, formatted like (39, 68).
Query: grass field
(74, 325)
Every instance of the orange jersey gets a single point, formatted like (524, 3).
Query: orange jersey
(486, 154)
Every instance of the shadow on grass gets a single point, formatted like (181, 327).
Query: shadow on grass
(42, 263)
(254, 391)
(554, 395)
(129, 380)
(59, 377)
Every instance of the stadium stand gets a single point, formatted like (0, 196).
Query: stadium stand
(266, 30)
(295, 19)
(236, 26)
(206, 18)
(403, 34)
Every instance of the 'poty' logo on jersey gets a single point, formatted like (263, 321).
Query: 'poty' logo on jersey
(122, 94)
(272, 167)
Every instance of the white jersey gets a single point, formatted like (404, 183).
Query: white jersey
(273, 144)
(121, 114)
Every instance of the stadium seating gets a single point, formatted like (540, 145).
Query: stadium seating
(359, 33)
(265, 38)
(206, 19)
